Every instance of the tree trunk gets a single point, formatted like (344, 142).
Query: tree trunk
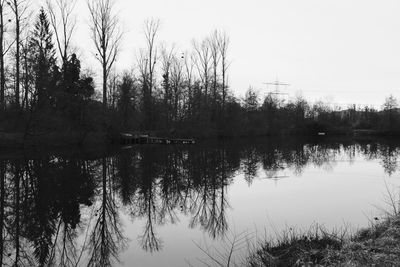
(104, 85)
(17, 59)
(2, 72)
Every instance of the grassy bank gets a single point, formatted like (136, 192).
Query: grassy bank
(378, 245)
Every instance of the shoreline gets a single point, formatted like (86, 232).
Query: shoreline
(17, 140)
(52, 140)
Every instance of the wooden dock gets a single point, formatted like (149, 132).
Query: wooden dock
(364, 132)
(131, 139)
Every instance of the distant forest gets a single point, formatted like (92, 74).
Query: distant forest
(172, 93)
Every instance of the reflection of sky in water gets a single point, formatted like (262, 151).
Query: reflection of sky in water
(333, 195)
(170, 201)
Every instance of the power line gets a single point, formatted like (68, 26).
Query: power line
(339, 91)
(277, 84)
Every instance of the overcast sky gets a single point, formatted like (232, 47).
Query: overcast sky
(343, 51)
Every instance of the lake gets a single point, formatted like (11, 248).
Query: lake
(171, 205)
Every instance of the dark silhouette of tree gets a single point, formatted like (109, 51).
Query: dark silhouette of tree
(223, 45)
(28, 78)
(390, 108)
(251, 101)
(19, 8)
(126, 102)
(2, 55)
(106, 37)
(43, 54)
(167, 57)
(215, 59)
(106, 239)
(74, 92)
(147, 62)
(63, 23)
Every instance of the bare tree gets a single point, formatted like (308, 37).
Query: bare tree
(142, 64)
(106, 36)
(223, 44)
(19, 8)
(151, 28)
(177, 81)
(202, 62)
(215, 58)
(4, 48)
(167, 57)
(2, 71)
(143, 74)
(63, 22)
(149, 58)
(112, 87)
(189, 65)
(27, 71)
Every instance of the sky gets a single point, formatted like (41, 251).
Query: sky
(341, 51)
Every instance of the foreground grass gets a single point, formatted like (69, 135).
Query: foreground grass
(378, 245)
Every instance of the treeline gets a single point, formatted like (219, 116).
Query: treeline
(40, 91)
(273, 115)
(43, 87)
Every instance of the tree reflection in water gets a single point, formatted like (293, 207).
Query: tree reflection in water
(66, 210)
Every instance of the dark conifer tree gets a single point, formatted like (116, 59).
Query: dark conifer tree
(43, 58)
(74, 92)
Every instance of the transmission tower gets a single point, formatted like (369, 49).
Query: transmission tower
(277, 86)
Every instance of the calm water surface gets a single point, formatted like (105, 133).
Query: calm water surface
(163, 205)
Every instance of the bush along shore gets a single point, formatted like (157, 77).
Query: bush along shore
(378, 245)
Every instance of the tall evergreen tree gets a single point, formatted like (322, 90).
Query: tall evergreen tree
(43, 57)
